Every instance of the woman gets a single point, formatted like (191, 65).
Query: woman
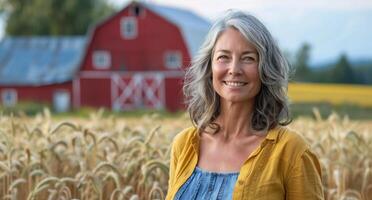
(239, 147)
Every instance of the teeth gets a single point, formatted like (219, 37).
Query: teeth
(234, 84)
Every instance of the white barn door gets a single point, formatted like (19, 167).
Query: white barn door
(137, 91)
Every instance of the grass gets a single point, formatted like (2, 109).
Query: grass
(33, 108)
(325, 109)
(297, 109)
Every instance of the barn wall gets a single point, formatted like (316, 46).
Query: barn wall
(173, 94)
(42, 94)
(95, 92)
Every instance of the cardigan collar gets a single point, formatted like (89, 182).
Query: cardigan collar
(272, 135)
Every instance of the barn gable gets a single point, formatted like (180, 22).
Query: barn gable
(35, 61)
(160, 32)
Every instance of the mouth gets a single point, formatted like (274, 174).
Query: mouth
(235, 83)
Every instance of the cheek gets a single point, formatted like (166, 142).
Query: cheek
(253, 73)
(257, 80)
(254, 76)
(217, 70)
(215, 82)
(216, 77)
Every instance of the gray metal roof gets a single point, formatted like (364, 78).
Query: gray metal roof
(40, 60)
(193, 27)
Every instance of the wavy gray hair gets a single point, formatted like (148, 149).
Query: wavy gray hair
(271, 105)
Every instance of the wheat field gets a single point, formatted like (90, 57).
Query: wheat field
(107, 157)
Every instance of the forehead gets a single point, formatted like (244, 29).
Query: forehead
(232, 40)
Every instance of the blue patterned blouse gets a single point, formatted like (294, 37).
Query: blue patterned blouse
(204, 185)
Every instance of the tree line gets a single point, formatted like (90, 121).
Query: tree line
(341, 71)
(52, 17)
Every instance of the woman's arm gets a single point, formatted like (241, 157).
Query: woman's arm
(172, 166)
(304, 180)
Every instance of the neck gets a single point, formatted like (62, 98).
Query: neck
(235, 119)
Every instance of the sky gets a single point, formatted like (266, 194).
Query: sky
(331, 27)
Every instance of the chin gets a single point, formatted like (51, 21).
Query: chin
(237, 99)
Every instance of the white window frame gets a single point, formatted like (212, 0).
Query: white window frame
(5, 94)
(101, 59)
(173, 59)
(126, 22)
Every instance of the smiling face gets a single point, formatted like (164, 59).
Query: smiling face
(235, 68)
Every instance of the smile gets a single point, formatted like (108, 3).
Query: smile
(234, 83)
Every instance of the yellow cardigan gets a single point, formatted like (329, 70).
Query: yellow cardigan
(282, 167)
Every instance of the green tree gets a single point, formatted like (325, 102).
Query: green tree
(343, 71)
(53, 17)
(301, 63)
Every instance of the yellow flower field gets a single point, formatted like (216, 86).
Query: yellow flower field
(127, 158)
(337, 94)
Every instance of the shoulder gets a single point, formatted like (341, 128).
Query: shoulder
(294, 150)
(291, 144)
(184, 138)
(292, 139)
(185, 134)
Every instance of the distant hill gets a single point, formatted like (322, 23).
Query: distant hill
(361, 62)
(362, 69)
(356, 63)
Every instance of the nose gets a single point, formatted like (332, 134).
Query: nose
(235, 68)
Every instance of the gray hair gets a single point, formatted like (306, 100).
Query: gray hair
(271, 105)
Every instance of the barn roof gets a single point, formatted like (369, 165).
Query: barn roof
(193, 27)
(40, 60)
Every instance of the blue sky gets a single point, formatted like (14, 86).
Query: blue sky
(331, 27)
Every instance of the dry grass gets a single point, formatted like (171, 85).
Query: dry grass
(111, 158)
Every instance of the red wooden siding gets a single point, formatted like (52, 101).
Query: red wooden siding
(95, 92)
(174, 94)
(41, 94)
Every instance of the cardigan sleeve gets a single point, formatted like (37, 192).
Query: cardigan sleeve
(304, 181)
(172, 166)
(178, 144)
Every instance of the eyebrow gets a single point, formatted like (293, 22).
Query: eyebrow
(245, 52)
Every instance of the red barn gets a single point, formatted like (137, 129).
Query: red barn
(132, 60)
(39, 69)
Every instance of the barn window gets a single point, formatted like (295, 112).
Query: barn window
(173, 59)
(101, 59)
(137, 11)
(61, 100)
(128, 27)
(9, 97)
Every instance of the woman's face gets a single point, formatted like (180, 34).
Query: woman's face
(235, 68)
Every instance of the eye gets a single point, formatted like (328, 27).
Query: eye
(222, 57)
(249, 59)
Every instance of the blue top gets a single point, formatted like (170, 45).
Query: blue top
(208, 185)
